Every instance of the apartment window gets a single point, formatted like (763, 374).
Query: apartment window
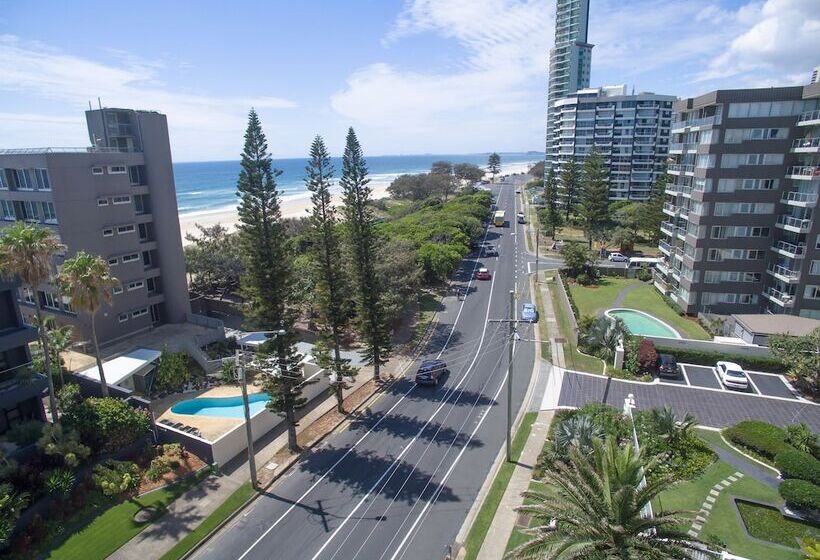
(755, 254)
(114, 261)
(817, 243)
(729, 208)
(814, 268)
(117, 290)
(738, 135)
(49, 300)
(108, 232)
(136, 174)
(130, 258)
(714, 255)
(123, 317)
(136, 285)
(30, 212)
(117, 170)
(139, 312)
(702, 185)
(43, 182)
(151, 285)
(765, 109)
(67, 304)
(3, 182)
(28, 296)
(8, 210)
(49, 214)
(720, 232)
(97, 170)
(125, 199)
(731, 161)
(812, 292)
(121, 230)
(24, 182)
(102, 202)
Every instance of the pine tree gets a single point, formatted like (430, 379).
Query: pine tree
(652, 215)
(552, 219)
(494, 164)
(570, 177)
(594, 203)
(362, 240)
(327, 261)
(266, 280)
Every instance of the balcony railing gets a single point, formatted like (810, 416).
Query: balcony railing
(665, 247)
(790, 248)
(796, 196)
(806, 143)
(780, 297)
(790, 221)
(809, 171)
(681, 168)
(714, 119)
(783, 271)
(38, 151)
(669, 207)
(676, 188)
(809, 116)
(668, 228)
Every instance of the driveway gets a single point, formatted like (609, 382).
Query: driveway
(713, 406)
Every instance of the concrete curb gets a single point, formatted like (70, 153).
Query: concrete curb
(461, 537)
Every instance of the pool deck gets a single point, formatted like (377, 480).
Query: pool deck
(211, 427)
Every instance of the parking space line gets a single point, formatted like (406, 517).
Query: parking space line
(719, 380)
(754, 387)
(685, 377)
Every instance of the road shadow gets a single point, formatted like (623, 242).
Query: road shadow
(408, 427)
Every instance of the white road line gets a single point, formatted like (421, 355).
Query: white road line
(720, 381)
(749, 377)
(685, 377)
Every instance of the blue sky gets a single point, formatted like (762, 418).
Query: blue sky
(414, 76)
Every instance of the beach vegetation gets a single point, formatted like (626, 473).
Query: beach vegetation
(494, 165)
(213, 261)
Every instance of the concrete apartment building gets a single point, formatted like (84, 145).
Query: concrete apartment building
(19, 393)
(631, 131)
(742, 235)
(570, 59)
(116, 199)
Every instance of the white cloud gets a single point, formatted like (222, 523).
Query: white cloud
(34, 69)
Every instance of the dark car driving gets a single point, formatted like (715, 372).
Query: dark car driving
(430, 371)
(667, 366)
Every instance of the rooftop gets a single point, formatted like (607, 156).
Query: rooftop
(768, 324)
(122, 367)
(68, 150)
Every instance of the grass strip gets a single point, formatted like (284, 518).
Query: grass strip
(226, 508)
(574, 359)
(475, 538)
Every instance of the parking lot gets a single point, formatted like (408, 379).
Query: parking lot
(760, 383)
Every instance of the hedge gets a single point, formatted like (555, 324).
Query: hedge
(763, 438)
(704, 358)
(801, 494)
(796, 464)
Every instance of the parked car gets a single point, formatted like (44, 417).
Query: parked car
(482, 274)
(517, 191)
(668, 366)
(618, 257)
(489, 251)
(430, 371)
(529, 313)
(520, 217)
(732, 375)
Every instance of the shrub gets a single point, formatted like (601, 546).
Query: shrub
(647, 356)
(801, 494)
(25, 433)
(797, 464)
(644, 275)
(762, 438)
(159, 466)
(631, 345)
(116, 477)
(584, 279)
(59, 483)
(611, 421)
(173, 450)
(226, 374)
(758, 363)
(64, 443)
(106, 423)
(802, 438)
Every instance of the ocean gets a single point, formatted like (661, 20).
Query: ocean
(210, 186)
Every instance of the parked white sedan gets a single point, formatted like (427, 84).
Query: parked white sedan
(732, 375)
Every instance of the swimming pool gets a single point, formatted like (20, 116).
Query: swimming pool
(225, 407)
(642, 324)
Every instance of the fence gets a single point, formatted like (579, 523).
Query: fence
(568, 312)
(711, 346)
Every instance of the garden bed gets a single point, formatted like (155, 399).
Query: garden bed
(767, 523)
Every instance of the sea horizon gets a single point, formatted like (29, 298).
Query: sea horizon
(209, 187)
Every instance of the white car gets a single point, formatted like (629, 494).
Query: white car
(732, 375)
(618, 257)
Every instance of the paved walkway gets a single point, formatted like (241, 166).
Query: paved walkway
(619, 299)
(764, 475)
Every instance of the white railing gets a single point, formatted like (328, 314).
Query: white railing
(784, 271)
(681, 168)
(794, 222)
(796, 196)
(809, 116)
(782, 297)
(806, 143)
(791, 248)
(714, 119)
(805, 171)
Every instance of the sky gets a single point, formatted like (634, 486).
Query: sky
(411, 76)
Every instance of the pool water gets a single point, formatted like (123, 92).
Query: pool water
(225, 407)
(643, 324)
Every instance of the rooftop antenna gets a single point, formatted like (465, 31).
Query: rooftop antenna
(99, 102)
(633, 89)
(89, 105)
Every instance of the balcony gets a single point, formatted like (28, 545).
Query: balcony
(18, 384)
(804, 172)
(680, 232)
(669, 209)
(665, 248)
(796, 225)
(780, 298)
(784, 274)
(789, 249)
(678, 168)
(806, 146)
(668, 228)
(705, 121)
(809, 118)
(675, 188)
(802, 199)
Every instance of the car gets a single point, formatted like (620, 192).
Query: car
(489, 251)
(732, 375)
(668, 366)
(529, 313)
(482, 274)
(618, 257)
(520, 217)
(430, 371)
(517, 191)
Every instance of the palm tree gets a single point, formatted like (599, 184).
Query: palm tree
(26, 251)
(59, 340)
(87, 280)
(603, 335)
(579, 432)
(670, 428)
(595, 511)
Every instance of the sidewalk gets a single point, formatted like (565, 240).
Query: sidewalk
(190, 509)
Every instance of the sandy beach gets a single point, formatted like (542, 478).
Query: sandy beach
(291, 207)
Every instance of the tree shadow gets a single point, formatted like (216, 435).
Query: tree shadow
(408, 427)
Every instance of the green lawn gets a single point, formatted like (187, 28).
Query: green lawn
(768, 524)
(475, 538)
(115, 526)
(574, 359)
(546, 349)
(723, 523)
(234, 502)
(429, 303)
(593, 300)
(714, 438)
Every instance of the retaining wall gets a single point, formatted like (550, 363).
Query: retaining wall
(710, 346)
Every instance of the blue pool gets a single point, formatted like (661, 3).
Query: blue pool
(643, 324)
(226, 407)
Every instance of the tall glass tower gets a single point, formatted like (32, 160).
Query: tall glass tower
(570, 60)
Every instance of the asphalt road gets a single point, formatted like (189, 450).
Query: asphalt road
(398, 483)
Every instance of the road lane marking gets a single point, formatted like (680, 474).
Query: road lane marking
(685, 377)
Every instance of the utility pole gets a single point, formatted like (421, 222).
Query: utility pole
(240, 372)
(510, 376)
(537, 246)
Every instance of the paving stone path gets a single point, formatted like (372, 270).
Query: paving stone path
(708, 504)
(619, 299)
